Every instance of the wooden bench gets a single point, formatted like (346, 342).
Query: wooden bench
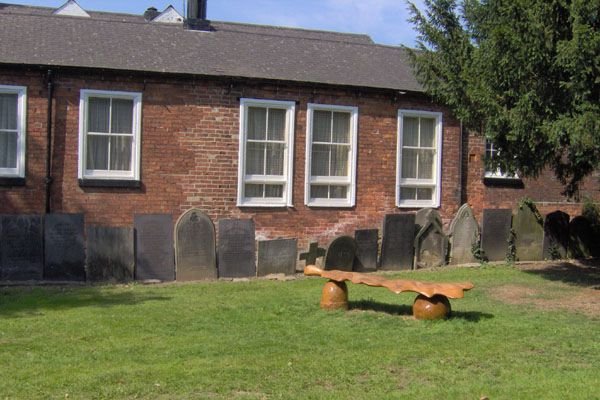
(431, 303)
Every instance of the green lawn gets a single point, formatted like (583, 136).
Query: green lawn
(270, 340)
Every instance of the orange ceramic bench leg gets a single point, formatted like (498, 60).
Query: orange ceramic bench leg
(436, 307)
(335, 295)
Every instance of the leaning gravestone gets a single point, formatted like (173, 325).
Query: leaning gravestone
(195, 251)
(21, 248)
(367, 247)
(236, 248)
(431, 245)
(154, 258)
(424, 215)
(556, 235)
(495, 232)
(64, 245)
(581, 238)
(110, 255)
(340, 254)
(397, 244)
(464, 236)
(277, 257)
(529, 234)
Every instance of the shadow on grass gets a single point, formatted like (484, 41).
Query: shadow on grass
(585, 273)
(406, 310)
(26, 302)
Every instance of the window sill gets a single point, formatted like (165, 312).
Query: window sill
(503, 182)
(12, 181)
(110, 183)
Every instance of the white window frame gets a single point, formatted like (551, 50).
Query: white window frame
(496, 174)
(288, 162)
(21, 92)
(436, 182)
(134, 173)
(350, 180)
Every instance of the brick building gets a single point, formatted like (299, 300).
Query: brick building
(311, 134)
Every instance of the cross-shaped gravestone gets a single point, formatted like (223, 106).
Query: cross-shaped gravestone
(314, 252)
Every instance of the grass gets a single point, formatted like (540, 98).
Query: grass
(270, 340)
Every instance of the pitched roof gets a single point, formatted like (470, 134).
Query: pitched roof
(34, 36)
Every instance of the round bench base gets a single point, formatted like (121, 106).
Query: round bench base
(436, 307)
(335, 296)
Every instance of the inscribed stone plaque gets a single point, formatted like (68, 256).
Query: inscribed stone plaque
(277, 257)
(64, 244)
(581, 238)
(21, 247)
(425, 215)
(556, 235)
(340, 254)
(464, 236)
(529, 234)
(236, 252)
(431, 246)
(495, 233)
(110, 255)
(154, 259)
(195, 253)
(367, 247)
(397, 243)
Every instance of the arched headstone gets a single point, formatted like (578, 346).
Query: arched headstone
(464, 236)
(556, 235)
(431, 246)
(529, 234)
(340, 254)
(195, 254)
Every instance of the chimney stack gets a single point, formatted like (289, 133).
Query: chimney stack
(196, 16)
(151, 13)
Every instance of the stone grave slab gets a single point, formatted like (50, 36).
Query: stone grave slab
(236, 248)
(529, 235)
(21, 248)
(581, 238)
(464, 236)
(277, 257)
(64, 243)
(340, 254)
(495, 231)
(556, 235)
(425, 215)
(195, 247)
(397, 244)
(367, 247)
(110, 254)
(155, 258)
(431, 246)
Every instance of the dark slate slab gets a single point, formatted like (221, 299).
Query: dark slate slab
(340, 254)
(110, 255)
(495, 233)
(195, 248)
(431, 246)
(277, 257)
(581, 238)
(529, 235)
(397, 243)
(367, 247)
(464, 236)
(64, 242)
(155, 258)
(21, 248)
(236, 248)
(556, 235)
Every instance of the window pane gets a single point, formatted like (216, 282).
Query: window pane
(122, 116)
(427, 132)
(341, 127)
(255, 158)
(426, 158)
(257, 120)
(339, 160)
(274, 191)
(319, 192)
(338, 192)
(275, 158)
(276, 129)
(320, 160)
(8, 110)
(98, 114)
(409, 163)
(321, 126)
(120, 153)
(97, 152)
(424, 193)
(253, 190)
(8, 150)
(410, 132)
(407, 193)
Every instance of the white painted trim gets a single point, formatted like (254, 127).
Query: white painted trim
(21, 92)
(288, 173)
(134, 174)
(169, 16)
(350, 181)
(71, 9)
(436, 182)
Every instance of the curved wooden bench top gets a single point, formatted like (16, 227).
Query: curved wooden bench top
(450, 290)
